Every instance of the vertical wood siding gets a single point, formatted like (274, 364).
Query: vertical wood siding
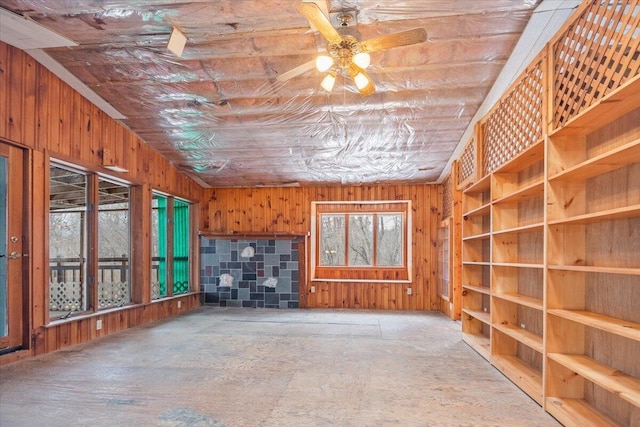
(288, 210)
(49, 119)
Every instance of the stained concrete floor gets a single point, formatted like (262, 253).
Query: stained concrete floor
(260, 367)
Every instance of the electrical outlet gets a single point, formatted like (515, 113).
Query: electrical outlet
(409, 291)
(523, 326)
(313, 289)
(98, 324)
(485, 309)
(179, 304)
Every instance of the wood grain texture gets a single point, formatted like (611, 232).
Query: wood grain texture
(50, 120)
(288, 210)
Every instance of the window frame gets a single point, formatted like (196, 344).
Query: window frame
(170, 236)
(372, 273)
(91, 236)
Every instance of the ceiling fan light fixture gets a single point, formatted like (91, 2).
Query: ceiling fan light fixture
(361, 81)
(328, 82)
(323, 63)
(362, 60)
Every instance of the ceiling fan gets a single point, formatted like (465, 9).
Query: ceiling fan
(346, 53)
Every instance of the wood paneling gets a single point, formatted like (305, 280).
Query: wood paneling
(51, 120)
(288, 210)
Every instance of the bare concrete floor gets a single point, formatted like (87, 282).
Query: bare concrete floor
(247, 367)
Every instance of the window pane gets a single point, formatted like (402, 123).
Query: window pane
(332, 237)
(360, 240)
(180, 247)
(113, 244)
(67, 242)
(158, 246)
(390, 240)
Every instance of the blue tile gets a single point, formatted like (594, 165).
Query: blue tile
(271, 299)
(249, 304)
(256, 296)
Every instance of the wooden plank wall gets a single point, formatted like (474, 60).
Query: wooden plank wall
(49, 119)
(288, 210)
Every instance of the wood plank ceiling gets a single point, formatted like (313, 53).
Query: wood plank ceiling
(219, 114)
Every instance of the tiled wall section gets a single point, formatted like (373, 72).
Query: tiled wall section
(276, 258)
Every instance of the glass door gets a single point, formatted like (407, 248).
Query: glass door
(11, 248)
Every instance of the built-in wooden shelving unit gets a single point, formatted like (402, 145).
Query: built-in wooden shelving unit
(551, 267)
(593, 257)
(476, 266)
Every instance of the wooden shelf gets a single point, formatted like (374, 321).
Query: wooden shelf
(527, 338)
(527, 301)
(479, 343)
(612, 325)
(595, 269)
(480, 186)
(480, 315)
(523, 194)
(476, 263)
(613, 106)
(611, 160)
(610, 379)
(518, 265)
(577, 412)
(631, 211)
(480, 211)
(539, 226)
(482, 236)
(521, 373)
(479, 289)
(532, 154)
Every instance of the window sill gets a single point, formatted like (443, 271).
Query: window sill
(89, 315)
(319, 279)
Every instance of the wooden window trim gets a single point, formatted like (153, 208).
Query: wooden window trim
(346, 273)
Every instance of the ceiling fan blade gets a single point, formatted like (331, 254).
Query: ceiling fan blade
(295, 72)
(404, 38)
(359, 75)
(318, 19)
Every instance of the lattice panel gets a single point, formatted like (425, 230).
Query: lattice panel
(516, 122)
(447, 197)
(65, 296)
(467, 162)
(596, 55)
(113, 294)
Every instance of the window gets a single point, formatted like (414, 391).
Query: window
(171, 230)
(180, 247)
(113, 244)
(68, 291)
(81, 279)
(361, 240)
(158, 246)
(444, 264)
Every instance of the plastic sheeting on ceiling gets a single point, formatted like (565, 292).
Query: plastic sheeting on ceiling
(219, 114)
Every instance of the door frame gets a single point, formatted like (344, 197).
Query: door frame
(18, 296)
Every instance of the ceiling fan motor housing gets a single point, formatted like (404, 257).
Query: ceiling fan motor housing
(344, 18)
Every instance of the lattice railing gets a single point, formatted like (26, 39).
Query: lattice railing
(467, 163)
(598, 53)
(516, 121)
(69, 296)
(447, 197)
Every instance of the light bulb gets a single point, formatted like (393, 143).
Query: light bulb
(361, 80)
(362, 60)
(323, 63)
(328, 82)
